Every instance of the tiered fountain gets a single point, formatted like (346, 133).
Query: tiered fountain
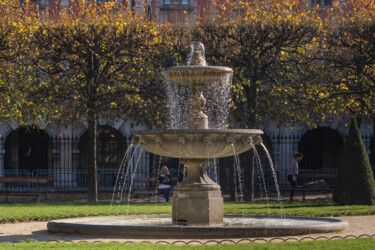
(198, 200)
(197, 204)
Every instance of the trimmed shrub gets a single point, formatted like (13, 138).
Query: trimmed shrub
(355, 182)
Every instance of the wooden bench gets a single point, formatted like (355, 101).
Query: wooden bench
(304, 191)
(316, 175)
(312, 177)
(37, 180)
(148, 192)
(153, 180)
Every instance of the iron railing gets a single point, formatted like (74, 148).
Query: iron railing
(66, 161)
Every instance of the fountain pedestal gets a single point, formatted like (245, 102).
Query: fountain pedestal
(197, 200)
(197, 207)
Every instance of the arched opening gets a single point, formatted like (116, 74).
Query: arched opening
(111, 149)
(322, 148)
(28, 152)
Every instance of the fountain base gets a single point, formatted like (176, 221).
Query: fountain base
(159, 226)
(197, 207)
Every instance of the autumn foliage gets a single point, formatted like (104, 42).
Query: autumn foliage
(89, 62)
(285, 52)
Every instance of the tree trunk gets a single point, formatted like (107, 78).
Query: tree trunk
(248, 163)
(359, 120)
(92, 173)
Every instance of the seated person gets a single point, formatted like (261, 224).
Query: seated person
(165, 182)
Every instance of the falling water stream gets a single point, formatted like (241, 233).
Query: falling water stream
(217, 107)
(126, 164)
(121, 176)
(132, 180)
(279, 198)
(259, 165)
(127, 169)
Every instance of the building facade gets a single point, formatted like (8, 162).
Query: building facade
(61, 152)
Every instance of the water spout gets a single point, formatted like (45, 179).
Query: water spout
(197, 55)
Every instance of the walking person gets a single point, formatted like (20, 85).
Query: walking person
(293, 171)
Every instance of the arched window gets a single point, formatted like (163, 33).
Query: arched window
(322, 148)
(110, 151)
(27, 149)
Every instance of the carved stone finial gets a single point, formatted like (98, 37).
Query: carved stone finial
(257, 140)
(207, 140)
(197, 57)
(181, 140)
(230, 139)
(158, 140)
(248, 139)
(135, 140)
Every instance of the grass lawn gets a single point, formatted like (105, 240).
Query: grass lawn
(361, 243)
(45, 211)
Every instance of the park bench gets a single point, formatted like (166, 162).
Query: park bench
(308, 177)
(39, 181)
(147, 191)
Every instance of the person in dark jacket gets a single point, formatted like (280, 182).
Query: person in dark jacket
(165, 183)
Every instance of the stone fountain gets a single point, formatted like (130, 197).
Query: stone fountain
(197, 204)
(197, 200)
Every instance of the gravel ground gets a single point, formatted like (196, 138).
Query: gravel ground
(358, 225)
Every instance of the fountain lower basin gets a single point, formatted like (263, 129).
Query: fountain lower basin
(235, 226)
(197, 200)
(197, 143)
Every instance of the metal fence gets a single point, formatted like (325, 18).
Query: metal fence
(66, 160)
(63, 158)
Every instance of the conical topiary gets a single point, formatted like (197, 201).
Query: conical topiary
(354, 183)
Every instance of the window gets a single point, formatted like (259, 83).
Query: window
(327, 2)
(176, 2)
(32, 1)
(321, 3)
(103, 1)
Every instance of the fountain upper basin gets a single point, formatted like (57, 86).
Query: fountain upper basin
(197, 143)
(196, 75)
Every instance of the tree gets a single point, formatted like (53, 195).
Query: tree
(349, 59)
(5, 32)
(14, 80)
(264, 42)
(93, 63)
(355, 182)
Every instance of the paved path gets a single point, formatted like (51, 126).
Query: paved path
(358, 225)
